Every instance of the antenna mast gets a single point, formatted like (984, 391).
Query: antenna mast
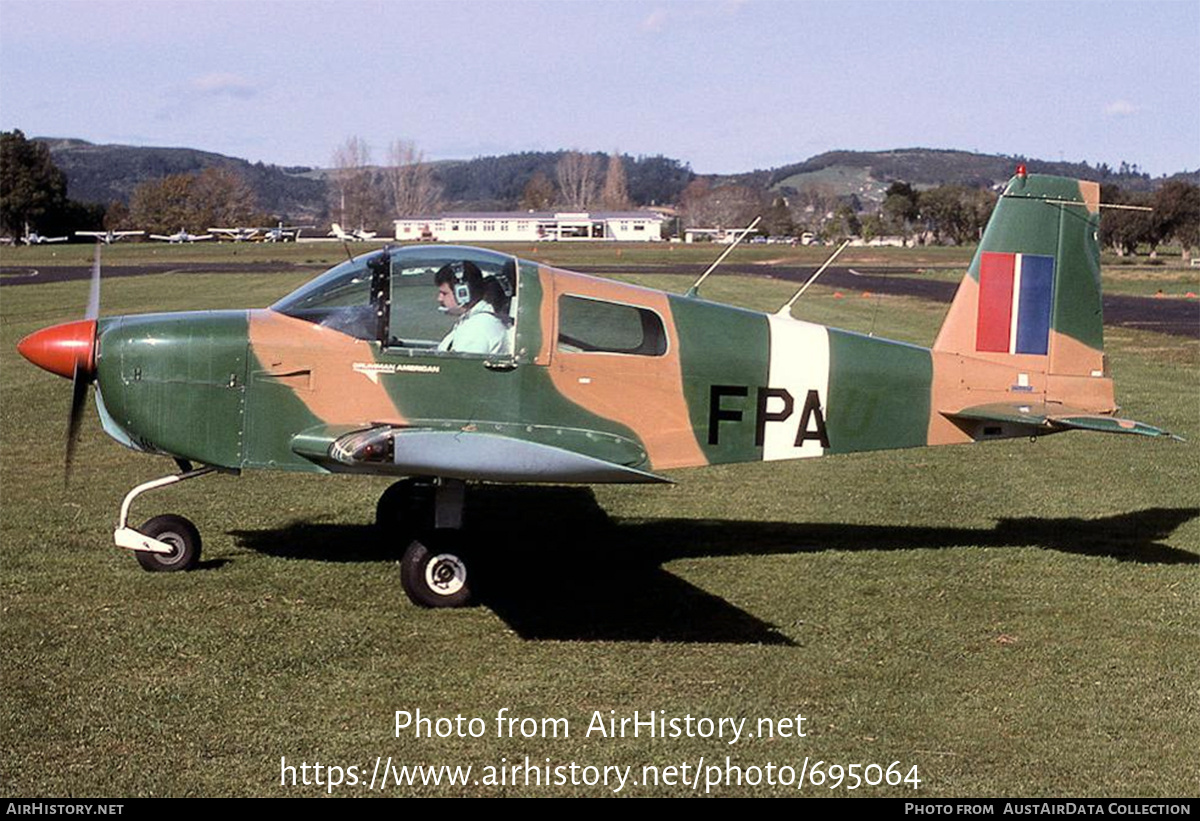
(786, 310)
(695, 289)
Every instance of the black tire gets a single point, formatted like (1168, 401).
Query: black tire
(435, 576)
(405, 510)
(177, 532)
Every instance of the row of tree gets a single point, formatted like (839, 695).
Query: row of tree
(946, 214)
(1173, 218)
(362, 194)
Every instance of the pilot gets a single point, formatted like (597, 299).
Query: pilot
(477, 301)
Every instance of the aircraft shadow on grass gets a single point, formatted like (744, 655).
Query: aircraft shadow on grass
(559, 568)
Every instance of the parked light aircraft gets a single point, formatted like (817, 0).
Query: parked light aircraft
(181, 236)
(357, 235)
(284, 233)
(593, 380)
(235, 234)
(109, 237)
(34, 238)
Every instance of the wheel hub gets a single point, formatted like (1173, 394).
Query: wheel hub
(445, 574)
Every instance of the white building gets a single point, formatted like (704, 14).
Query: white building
(532, 226)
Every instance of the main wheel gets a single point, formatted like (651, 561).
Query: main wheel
(180, 534)
(405, 509)
(435, 577)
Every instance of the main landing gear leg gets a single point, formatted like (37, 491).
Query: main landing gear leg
(165, 543)
(433, 570)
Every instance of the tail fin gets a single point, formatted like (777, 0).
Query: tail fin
(1024, 338)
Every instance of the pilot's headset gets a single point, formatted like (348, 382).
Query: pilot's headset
(462, 281)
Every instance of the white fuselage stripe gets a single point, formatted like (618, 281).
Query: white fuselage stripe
(799, 363)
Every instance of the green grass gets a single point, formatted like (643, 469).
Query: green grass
(1015, 619)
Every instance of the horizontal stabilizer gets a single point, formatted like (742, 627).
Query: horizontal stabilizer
(1052, 418)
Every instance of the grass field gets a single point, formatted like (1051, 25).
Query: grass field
(1012, 619)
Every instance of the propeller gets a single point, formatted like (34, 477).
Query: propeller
(83, 372)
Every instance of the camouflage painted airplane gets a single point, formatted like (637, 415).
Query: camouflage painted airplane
(598, 381)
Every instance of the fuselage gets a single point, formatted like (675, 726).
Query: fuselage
(620, 373)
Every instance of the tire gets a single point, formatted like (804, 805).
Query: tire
(435, 577)
(405, 510)
(177, 532)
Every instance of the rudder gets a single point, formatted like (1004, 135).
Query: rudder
(1026, 323)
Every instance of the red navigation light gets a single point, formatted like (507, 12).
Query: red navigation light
(1021, 170)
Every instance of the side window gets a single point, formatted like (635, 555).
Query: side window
(475, 316)
(595, 326)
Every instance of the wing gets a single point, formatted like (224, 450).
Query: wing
(460, 454)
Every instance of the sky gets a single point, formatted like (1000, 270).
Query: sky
(725, 86)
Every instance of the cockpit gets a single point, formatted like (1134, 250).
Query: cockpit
(390, 296)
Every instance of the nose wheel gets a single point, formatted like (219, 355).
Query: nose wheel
(177, 533)
(164, 544)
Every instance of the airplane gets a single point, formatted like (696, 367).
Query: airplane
(109, 237)
(594, 381)
(358, 235)
(236, 234)
(181, 236)
(284, 233)
(34, 238)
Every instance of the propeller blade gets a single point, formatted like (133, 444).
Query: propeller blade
(93, 306)
(79, 386)
(80, 376)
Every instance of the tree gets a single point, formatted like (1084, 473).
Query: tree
(777, 220)
(615, 196)
(163, 205)
(221, 197)
(539, 193)
(116, 216)
(955, 213)
(578, 179)
(726, 206)
(872, 226)
(1177, 206)
(410, 181)
(33, 190)
(900, 210)
(1124, 230)
(354, 196)
(214, 197)
(844, 224)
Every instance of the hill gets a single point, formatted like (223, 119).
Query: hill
(106, 173)
(867, 174)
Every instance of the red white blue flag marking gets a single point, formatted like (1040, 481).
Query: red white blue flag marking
(1015, 295)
